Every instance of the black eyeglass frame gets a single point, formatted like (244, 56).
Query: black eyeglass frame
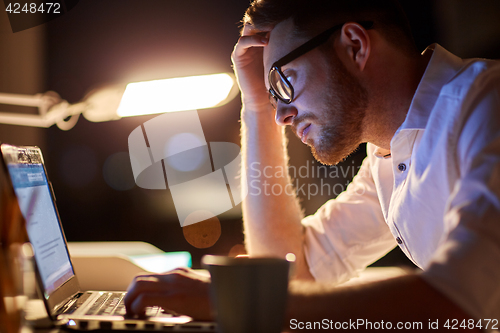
(299, 51)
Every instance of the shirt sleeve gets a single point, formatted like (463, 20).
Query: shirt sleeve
(466, 267)
(347, 233)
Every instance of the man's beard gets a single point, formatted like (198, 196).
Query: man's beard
(346, 102)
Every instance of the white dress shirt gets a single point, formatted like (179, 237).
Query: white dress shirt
(436, 193)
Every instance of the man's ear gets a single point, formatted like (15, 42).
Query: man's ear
(356, 43)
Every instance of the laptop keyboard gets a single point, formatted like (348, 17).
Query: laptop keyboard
(108, 304)
(112, 304)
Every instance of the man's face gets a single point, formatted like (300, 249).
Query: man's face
(329, 104)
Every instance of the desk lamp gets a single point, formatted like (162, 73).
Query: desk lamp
(116, 101)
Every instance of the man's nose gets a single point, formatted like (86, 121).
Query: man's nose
(285, 113)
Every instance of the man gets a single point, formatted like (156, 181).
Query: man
(341, 73)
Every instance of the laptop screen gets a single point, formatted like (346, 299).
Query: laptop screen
(44, 231)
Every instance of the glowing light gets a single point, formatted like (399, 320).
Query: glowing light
(177, 94)
(290, 257)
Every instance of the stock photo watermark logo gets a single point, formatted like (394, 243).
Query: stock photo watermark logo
(203, 178)
(28, 14)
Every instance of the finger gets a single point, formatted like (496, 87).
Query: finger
(141, 284)
(138, 307)
(248, 30)
(140, 280)
(143, 280)
(246, 42)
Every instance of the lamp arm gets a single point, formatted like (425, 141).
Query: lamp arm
(26, 100)
(51, 110)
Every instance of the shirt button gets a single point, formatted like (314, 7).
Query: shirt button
(402, 167)
(399, 240)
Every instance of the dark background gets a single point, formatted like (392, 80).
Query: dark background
(108, 41)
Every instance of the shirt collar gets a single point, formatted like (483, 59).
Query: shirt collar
(442, 67)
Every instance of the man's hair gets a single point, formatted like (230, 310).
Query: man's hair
(307, 15)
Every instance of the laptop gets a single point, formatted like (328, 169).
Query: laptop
(66, 304)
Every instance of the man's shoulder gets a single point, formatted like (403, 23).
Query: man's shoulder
(476, 120)
(476, 75)
(470, 98)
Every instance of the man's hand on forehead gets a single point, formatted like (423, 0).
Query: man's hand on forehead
(248, 66)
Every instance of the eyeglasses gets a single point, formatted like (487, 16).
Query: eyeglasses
(280, 88)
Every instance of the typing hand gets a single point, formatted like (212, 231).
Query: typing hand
(249, 69)
(181, 290)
